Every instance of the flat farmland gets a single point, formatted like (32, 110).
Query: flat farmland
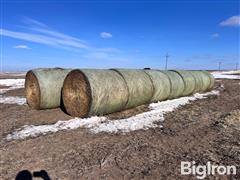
(201, 130)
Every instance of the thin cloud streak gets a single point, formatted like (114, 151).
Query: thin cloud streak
(47, 40)
(33, 22)
(42, 34)
(57, 34)
(44, 29)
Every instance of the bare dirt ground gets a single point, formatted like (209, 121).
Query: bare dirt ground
(205, 130)
(16, 92)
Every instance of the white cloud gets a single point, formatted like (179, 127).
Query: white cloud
(232, 21)
(21, 46)
(214, 36)
(43, 39)
(41, 33)
(105, 35)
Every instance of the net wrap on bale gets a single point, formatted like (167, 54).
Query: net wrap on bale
(89, 92)
(140, 86)
(189, 82)
(43, 87)
(203, 80)
(212, 80)
(161, 85)
(177, 84)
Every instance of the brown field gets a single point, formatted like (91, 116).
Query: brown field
(205, 130)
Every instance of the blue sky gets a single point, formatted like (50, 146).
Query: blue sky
(127, 34)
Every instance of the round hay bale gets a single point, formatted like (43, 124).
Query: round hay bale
(204, 81)
(212, 79)
(161, 85)
(177, 84)
(198, 81)
(43, 87)
(189, 82)
(90, 92)
(140, 86)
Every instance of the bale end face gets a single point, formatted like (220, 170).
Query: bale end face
(76, 94)
(32, 90)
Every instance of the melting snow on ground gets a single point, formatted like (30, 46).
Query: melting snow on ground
(11, 85)
(12, 100)
(96, 124)
(226, 74)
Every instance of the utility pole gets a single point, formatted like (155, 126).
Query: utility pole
(166, 63)
(219, 66)
(236, 66)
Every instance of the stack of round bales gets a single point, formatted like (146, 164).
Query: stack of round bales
(88, 92)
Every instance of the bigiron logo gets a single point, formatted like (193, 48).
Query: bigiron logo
(202, 171)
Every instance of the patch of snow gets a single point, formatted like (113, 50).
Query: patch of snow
(12, 100)
(12, 84)
(223, 76)
(230, 72)
(226, 74)
(34, 131)
(97, 124)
